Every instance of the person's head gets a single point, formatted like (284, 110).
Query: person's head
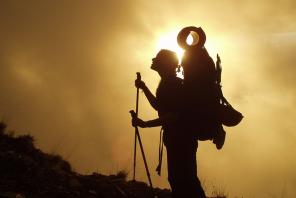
(165, 63)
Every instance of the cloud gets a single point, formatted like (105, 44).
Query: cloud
(67, 70)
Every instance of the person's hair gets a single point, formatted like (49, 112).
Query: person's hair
(168, 57)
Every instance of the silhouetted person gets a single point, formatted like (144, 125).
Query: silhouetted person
(181, 146)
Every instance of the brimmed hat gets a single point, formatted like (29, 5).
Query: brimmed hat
(198, 40)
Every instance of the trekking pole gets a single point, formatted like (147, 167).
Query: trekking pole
(135, 145)
(134, 114)
(137, 136)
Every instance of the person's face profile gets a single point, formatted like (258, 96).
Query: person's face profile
(155, 63)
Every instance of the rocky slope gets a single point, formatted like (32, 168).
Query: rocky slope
(26, 171)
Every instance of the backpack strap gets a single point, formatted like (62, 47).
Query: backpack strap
(160, 152)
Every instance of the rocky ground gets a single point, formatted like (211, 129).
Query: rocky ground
(26, 171)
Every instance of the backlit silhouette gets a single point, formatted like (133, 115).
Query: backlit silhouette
(189, 110)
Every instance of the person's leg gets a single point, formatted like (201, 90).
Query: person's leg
(194, 187)
(182, 172)
(172, 171)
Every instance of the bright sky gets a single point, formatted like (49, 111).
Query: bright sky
(67, 71)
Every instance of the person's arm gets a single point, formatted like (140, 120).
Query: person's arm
(166, 119)
(151, 98)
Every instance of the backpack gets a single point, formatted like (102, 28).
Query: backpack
(207, 108)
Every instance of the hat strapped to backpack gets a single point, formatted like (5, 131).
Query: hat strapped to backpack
(199, 37)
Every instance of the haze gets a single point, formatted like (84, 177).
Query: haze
(67, 71)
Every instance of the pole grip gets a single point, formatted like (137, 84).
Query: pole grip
(138, 76)
(137, 102)
(133, 113)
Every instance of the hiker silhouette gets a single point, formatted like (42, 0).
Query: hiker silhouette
(189, 110)
(181, 146)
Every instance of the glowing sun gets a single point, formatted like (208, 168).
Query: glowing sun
(169, 41)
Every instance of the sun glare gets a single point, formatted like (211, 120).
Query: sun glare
(169, 41)
(189, 39)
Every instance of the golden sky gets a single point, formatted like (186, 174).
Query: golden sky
(67, 70)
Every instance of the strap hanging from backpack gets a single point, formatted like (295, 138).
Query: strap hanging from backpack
(160, 152)
(228, 115)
